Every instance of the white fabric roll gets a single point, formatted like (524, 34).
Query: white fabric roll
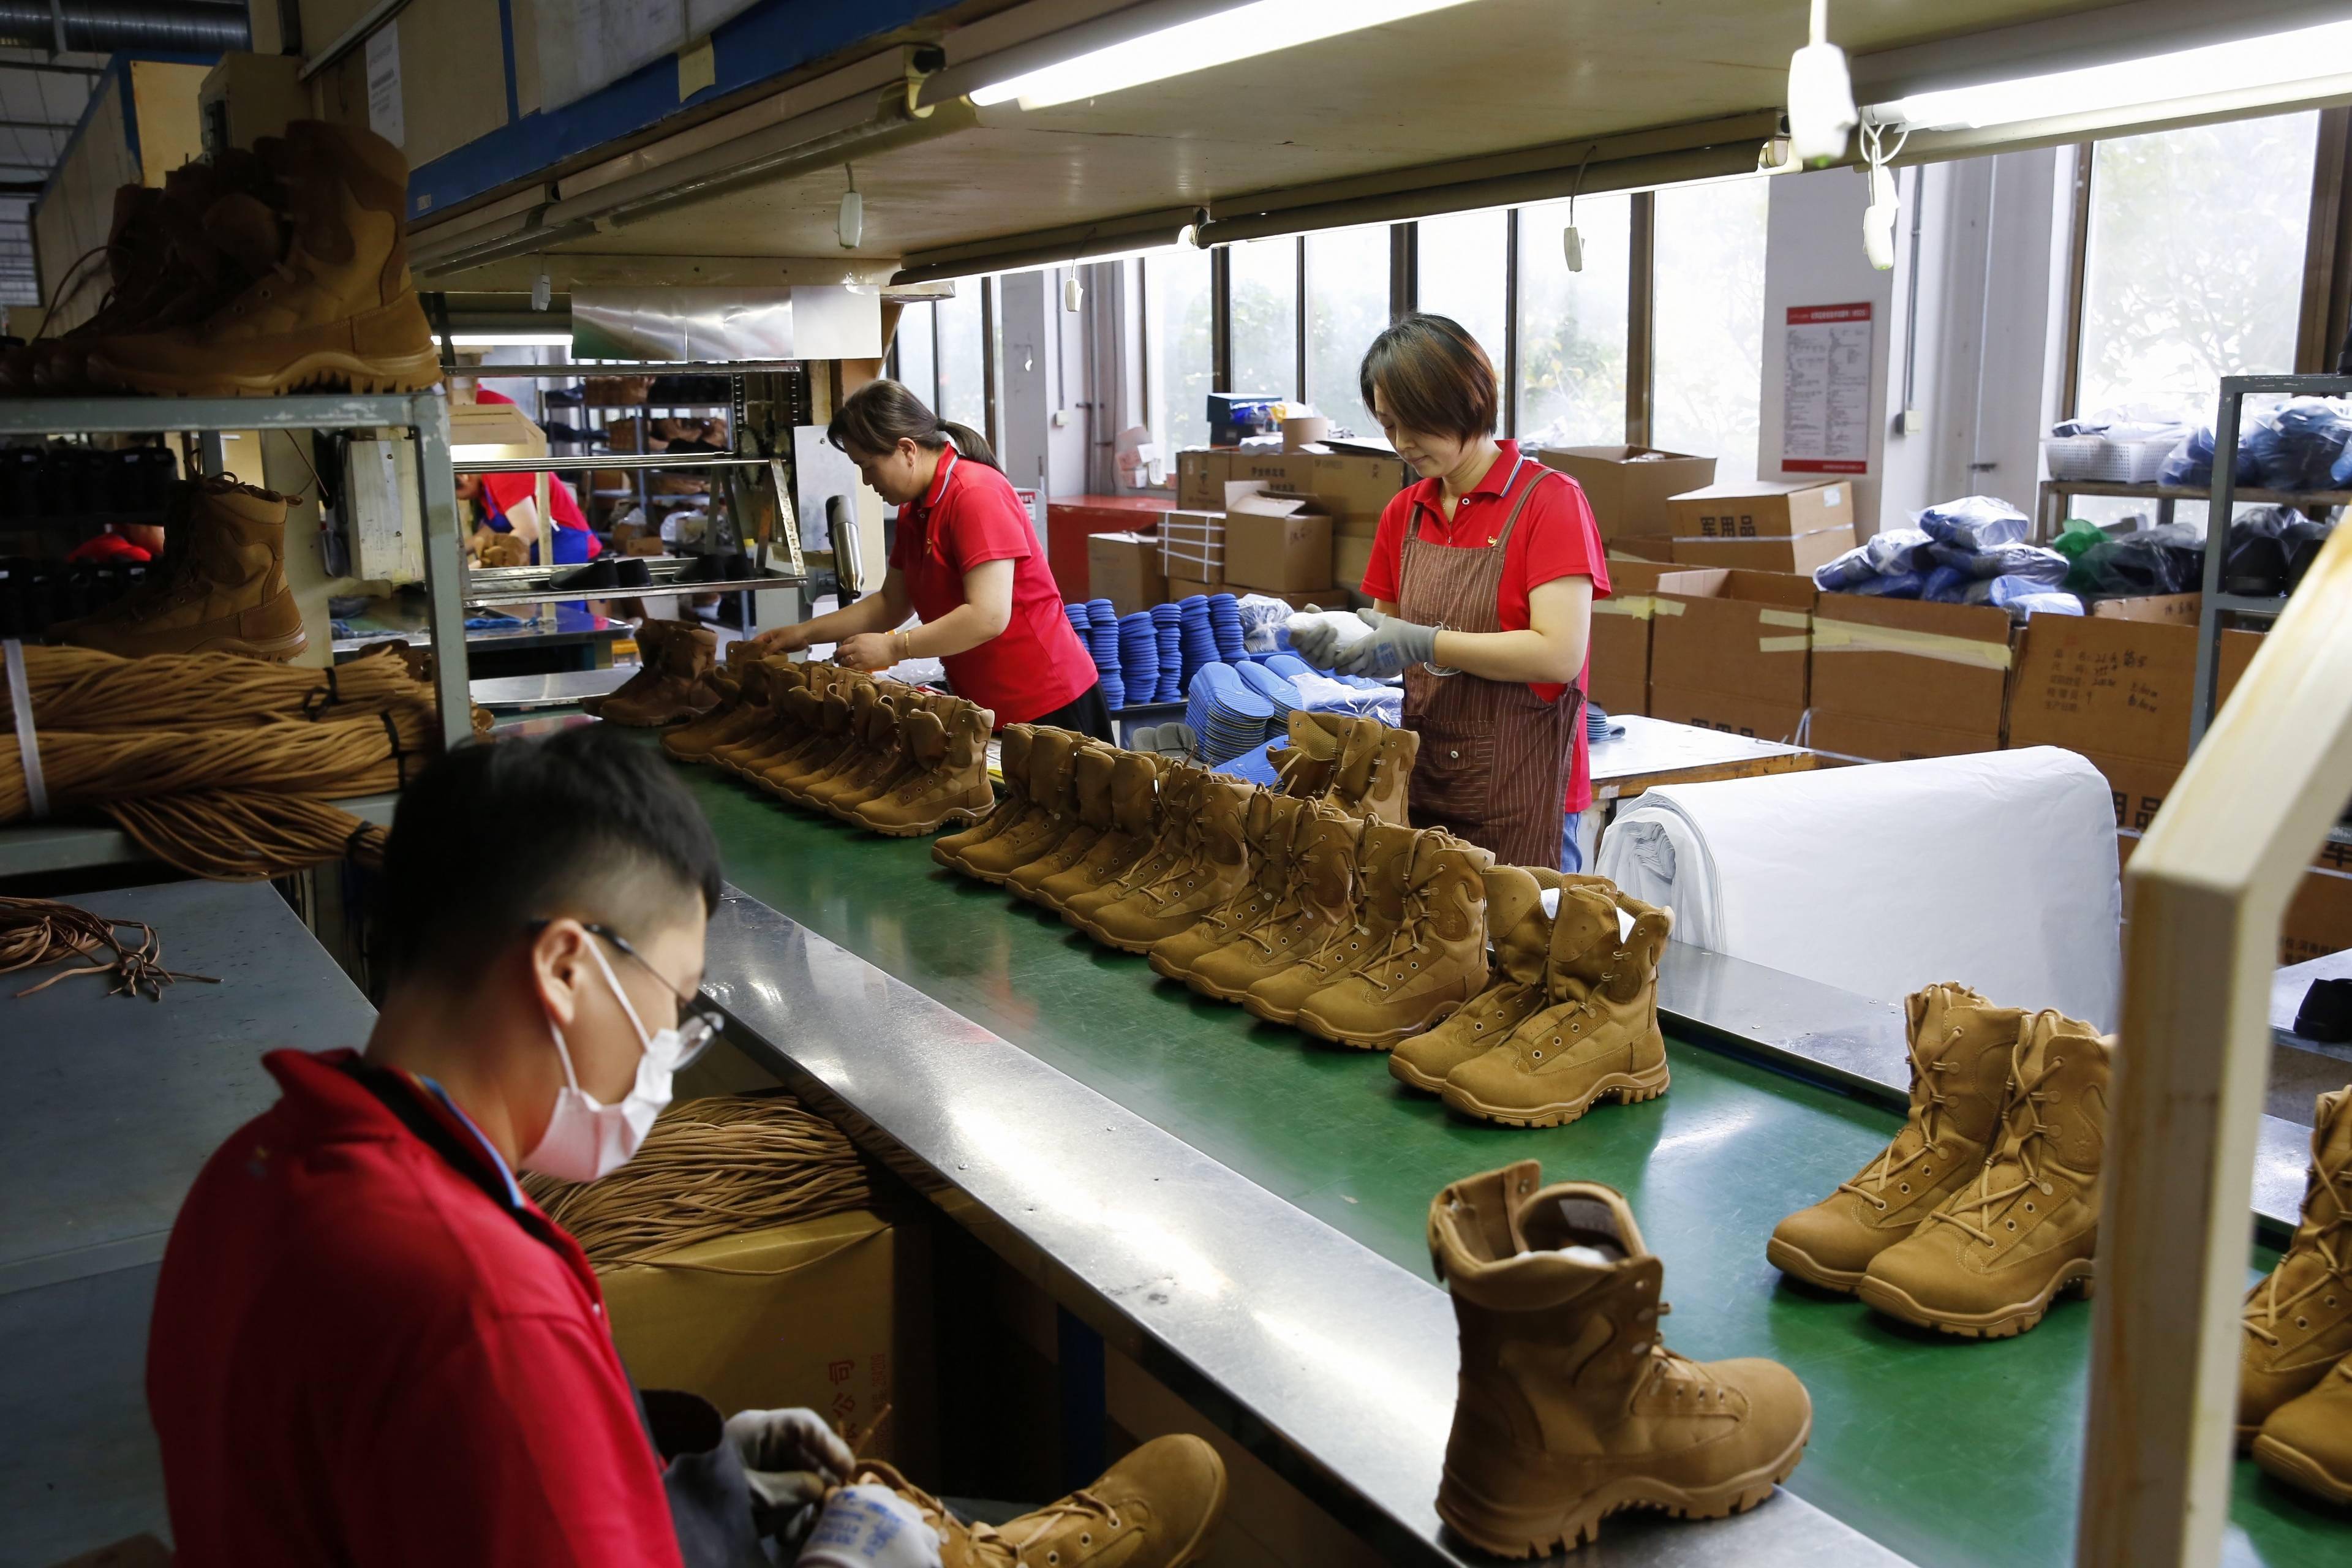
(1995, 870)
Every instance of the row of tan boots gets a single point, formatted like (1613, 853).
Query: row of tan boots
(1984, 1208)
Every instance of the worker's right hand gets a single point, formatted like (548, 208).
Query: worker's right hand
(870, 1526)
(1315, 639)
(780, 639)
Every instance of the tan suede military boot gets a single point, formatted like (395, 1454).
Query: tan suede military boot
(1390, 776)
(1053, 770)
(650, 640)
(223, 588)
(1304, 765)
(1318, 898)
(1013, 765)
(135, 263)
(1569, 1407)
(876, 781)
(799, 725)
(1520, 930)
(1212, 873)
(1961, 1048)
(1175, 828)
(953, 785)
(752, 710)
(684, 658)
(1383, 867)
(2307, 1441)
(870, 706)
(2298, 1321)
(1091, 768)
(1134, 783)
(1434, 962)
(839, 713)
(1987, 1262)
(335, 309)
(1155, 1509)
(1271, 832)
(881, 748)
(1602, 1041)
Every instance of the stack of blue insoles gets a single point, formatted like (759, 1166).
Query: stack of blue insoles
(1228, 716)
(1225, 624)
(1138, 657)
(1102, 641)
(1167, 620)
(1196, 643)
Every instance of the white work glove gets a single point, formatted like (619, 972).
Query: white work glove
(1394, 647)
(869, 1527)
(1315, 638)
(790, 1456)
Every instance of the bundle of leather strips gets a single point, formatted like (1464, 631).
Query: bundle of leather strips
(710, 1168)
(35, 932)
(222, 766)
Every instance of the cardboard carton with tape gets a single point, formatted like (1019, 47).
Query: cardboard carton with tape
(1894, 679)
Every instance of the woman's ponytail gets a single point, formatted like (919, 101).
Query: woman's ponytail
(881, 413)
(971, 443)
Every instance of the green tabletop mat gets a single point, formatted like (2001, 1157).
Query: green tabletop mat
(1949, 1451)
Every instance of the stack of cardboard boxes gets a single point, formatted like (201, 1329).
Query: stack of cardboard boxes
(1297, 525)
(1730, 650)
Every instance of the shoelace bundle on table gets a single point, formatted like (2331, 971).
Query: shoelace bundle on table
(35, 932)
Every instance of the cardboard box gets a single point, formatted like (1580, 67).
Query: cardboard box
(1269, 470)
(1201, 476)
(1800, 553)
(1183, 588)
(2173, 609)
(1906, 662)
(1761, 508)
(2136, 787)
(1275, 542)
(1629, 486)
(2319, 920)
(2121, 687)
(1351, 557)
(806, 1314)
(1354, 488)
(1733, 715)
(1657, 548)
(1740, 634)
(1618, 676)
(1890, 740)
(1192, 545)
(1125, 568)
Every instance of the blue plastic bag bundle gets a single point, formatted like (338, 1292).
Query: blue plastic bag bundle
(2168, 560)
(1946, 585)
(1894, 585)
(1973, 523)
(2299, 445)
(2005, 561)
(2191, 463)
(2023, 596)
(1896, 550)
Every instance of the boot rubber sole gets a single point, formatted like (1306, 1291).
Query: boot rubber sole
(1625, 1088)
(1797, 1262)
(2001, 1324)
(1217, 993)
(327, 369)
(1522, 1533)
(1412, 1077)
(1384, 1040)
(2299, 1469)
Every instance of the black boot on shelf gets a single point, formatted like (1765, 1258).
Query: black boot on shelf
(2325, 1015)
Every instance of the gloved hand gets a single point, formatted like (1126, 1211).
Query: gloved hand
(1314, 639)
(1394, 647)
(789, 1455)
(870, 1527)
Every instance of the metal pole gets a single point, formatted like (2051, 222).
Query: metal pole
(445, 567)
(2217, 547)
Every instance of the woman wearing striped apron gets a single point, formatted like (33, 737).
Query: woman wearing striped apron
(1483, 578)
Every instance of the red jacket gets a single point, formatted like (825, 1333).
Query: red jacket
(368, 1348)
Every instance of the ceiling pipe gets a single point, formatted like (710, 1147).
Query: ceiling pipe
(181, 26)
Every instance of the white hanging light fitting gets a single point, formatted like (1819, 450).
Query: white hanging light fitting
(1820, 97)
(852, 225)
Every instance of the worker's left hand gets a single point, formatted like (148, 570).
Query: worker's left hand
(789, 1455)
(866, 650)
(1393, 648)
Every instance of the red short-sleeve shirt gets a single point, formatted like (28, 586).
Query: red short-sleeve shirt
(971, 516)
(1557, 537)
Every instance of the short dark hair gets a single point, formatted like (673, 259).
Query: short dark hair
(879, 416)
(491, 836)
(1433, 376)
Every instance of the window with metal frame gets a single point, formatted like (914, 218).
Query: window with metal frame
(1178, 347)
(1347, 306)
(1708, 283)
(1264, 317)
(1569, 344)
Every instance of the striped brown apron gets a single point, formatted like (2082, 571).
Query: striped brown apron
(1494, 758)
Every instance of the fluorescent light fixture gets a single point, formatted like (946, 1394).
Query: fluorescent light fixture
(1239, 34)
(2277, 60)
(511, 339)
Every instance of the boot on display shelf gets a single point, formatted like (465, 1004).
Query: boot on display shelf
(1318, 898)
(1175, 828)
(1519, 928)
(1383, 866)
(332, 305)
(1270, 831)
(1091, 768)
(680, 688)
(953, 785)
(1569, 1408)
(222, 589)
(1434, 962)
(135, 270)
(2297, 1324)
(1155, 1509)
(1600, 1040)
(1215, 870)
(1134, 822)
(1987, 1262)
(1013, 763)
(1961, 1048)
(1053, 815)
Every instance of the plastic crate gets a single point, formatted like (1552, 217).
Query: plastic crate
(2096, 458)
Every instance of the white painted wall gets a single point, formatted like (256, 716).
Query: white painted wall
(1813, 256)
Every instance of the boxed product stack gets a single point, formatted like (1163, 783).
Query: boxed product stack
(1620, 647)
(1629, 487)
(1729, 650)
(1346, 489)
(1193, 552)
(1762, 525)
(1127, 569)
(1276, 544)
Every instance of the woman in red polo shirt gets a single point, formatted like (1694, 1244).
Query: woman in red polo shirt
(1482, 578)
(967, 562)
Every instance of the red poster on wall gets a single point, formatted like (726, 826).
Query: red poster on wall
(1825, 389)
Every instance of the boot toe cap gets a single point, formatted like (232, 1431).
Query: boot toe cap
(1779, 1411)
(1830, 1237)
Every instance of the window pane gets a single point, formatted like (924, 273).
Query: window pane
(1572, 324)
(1708, 304)
(963, 393)
(1266, 318)
(1347, 306)
(1182, 357)
(913, 343)
(2196, 260)
(1461, 269)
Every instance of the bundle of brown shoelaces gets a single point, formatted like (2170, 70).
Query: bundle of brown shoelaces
(223, 767)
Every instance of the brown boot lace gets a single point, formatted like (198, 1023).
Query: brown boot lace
(2024, 1160)
(2271, 1300)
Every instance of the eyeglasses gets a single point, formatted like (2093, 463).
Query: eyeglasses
(697, 1026)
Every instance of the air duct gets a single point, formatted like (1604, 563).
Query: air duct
(183, 27)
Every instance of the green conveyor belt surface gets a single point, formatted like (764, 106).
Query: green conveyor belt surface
(1951, 1452)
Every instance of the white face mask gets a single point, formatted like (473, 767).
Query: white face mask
(585, 1140)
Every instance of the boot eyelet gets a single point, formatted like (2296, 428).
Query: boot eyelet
(2010, 1223)
(2029, 1209)
(2303, 1322)
(1907, 1186)
(1086, 1541)
(1538, 1056)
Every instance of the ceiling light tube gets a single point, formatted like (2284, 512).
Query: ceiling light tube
(1239, 34)
(2278, 60)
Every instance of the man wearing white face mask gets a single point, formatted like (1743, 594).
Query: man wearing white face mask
(368, 1345)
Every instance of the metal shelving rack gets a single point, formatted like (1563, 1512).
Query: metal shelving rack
(2050, 514)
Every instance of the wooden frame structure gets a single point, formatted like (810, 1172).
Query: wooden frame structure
(2205, 894)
